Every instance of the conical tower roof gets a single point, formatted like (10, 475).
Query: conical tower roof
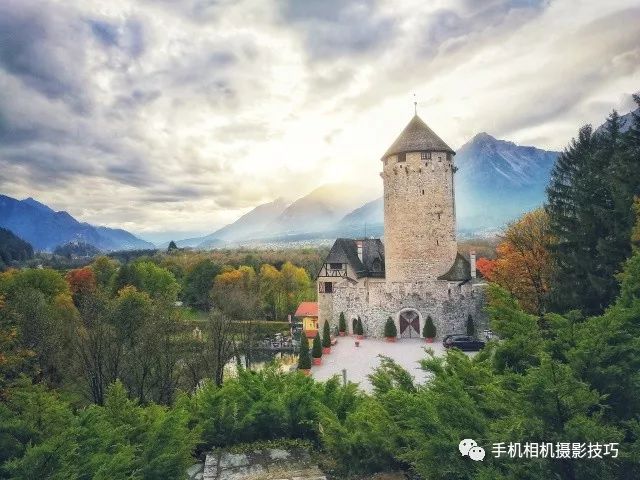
(417, 137)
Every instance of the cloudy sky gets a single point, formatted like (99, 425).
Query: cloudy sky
(180, 115)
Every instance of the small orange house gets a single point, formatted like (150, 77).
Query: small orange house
(307, 312)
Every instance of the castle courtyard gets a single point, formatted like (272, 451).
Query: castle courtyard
(360, 361)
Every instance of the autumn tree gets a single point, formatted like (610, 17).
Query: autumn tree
(523, 265)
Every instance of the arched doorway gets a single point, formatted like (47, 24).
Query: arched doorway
(409, 323)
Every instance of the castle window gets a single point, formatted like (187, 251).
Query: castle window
(423, 194)
(437, 242)
(425, 155)
(325, 287)
(448, 155)
(402, 157)
(438, 216)
(335, 266)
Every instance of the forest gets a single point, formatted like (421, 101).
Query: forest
(100, 378)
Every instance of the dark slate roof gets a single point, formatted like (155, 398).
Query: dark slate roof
(417, 137)
(460, 271)
(345, 250)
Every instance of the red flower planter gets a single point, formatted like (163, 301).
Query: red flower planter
(360, 337)
(342, 334)
(429, 340)
(317, 361)
(326, 350)
(390, 339)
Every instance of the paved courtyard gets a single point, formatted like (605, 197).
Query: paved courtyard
(360, 361)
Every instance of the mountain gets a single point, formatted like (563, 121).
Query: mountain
(320, 210)
(498, 180)
(13, 249)
(249, 225)
(625, 121)
(45, 228)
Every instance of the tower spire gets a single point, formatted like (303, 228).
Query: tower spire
(415, 105)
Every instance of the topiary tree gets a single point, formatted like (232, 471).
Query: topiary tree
(316, 350)
(390, 329)
(354, 326)
(359, 327)
(304, 359)
(326, 335)
(471, 329)
(342, 323)
(429, 330)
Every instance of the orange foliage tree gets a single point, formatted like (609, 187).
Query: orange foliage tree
(523, 265)
(81, 280)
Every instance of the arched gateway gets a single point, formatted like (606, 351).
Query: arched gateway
(409, 321)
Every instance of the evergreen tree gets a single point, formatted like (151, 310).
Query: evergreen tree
(342, 324)
(304, 359)
(326, 335)
(359, 327)
(354, 326)
(589, 202)
(471, 329)
(429, 329)
(316, 350)
(390, 329)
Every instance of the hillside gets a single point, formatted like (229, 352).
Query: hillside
(13, 249)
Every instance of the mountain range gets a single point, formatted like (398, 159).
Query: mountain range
(45, 229)
(497, 180)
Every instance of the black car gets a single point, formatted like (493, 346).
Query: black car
(463, 342)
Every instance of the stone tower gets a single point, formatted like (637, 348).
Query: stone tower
(419, 205)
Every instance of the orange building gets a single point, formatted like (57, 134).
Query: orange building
(307, 312)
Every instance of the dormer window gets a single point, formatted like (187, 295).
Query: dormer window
(335, 266)
(425, 155)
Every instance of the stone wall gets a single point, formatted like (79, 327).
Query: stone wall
(419, 217)
(448, 304)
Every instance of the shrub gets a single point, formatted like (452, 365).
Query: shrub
(429, 330)
(342, 323)
(316, 351)
(326, 335)
(359, 327)
(304, 360)
(390, 329)
(354, 325)
(471, 329)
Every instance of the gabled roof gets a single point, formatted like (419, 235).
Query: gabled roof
(307, 309)
(417, 137)
(460, 271)
(345, 250)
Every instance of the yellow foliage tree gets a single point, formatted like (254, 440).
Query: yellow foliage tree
(523, 265)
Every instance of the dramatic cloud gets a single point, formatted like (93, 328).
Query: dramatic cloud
(157, 115)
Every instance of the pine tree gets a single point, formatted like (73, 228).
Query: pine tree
(429, 330)
(354, 326)
(304, 360)
(471, 329)
(342, 323)
(589, 202)
(316, 350)
(326, 335)
(390, 329)
(359, 327)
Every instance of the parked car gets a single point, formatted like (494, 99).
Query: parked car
(463, 342)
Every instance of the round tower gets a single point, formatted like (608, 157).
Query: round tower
(419, 205)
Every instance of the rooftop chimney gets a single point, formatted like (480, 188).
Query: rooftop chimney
(472, 261)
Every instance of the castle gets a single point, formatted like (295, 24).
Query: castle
(417, 271)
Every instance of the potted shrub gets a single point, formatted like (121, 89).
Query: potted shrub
(342, 325)
(429, 330)
(390, 330)
(326, 338)
(316, 350)
(471, 329)
(304, 359)
(354, 326)
(359, 329)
